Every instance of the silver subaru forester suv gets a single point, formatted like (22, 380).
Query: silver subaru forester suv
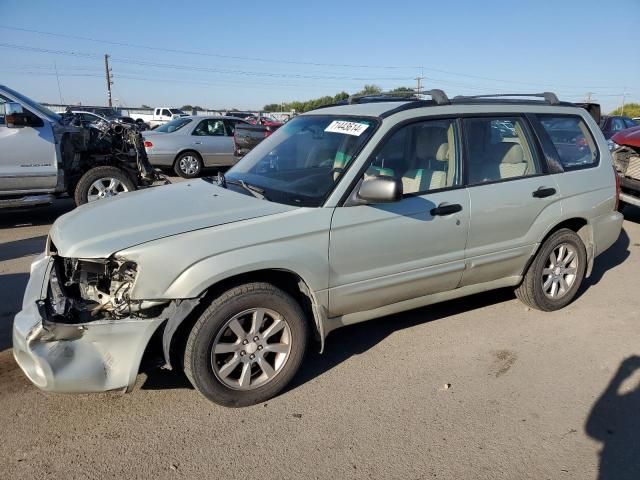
(345, 214)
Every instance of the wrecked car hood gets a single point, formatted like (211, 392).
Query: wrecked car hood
(101, 228)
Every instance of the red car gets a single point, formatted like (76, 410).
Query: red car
(626, 160)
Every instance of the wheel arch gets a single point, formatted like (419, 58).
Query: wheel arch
(174, 336)
(579, 225)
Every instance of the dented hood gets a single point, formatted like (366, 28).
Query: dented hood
(101, 228)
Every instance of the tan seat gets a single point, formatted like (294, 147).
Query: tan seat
(432, 152)
(422, 180)
(512, 163)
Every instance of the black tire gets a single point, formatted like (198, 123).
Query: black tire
(198, 351)
(531, 291)
(188, 174)
(83, 186)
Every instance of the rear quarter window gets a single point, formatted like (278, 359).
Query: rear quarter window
(572, 139)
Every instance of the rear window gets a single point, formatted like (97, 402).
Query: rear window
(572, 139)
(173, 125)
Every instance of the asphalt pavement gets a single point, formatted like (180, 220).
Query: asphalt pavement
(476, 388)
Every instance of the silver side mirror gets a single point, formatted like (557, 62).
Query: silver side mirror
(14, 115)
(380, 189)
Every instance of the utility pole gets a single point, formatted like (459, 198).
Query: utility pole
(589, 97)
(623, 99)
(419, 83)
(107, 72)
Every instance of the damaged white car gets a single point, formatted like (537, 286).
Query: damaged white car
(344, 214)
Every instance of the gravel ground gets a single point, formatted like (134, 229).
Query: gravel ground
(478, 388)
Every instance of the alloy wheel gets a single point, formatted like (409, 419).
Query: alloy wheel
(560, 271)
(251, 348)
(104, 188)
(189, 165)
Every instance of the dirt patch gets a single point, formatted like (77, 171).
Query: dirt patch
(503, 361)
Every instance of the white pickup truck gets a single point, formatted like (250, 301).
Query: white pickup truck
(159, 116)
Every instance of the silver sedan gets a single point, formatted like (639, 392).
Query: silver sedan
(187, 144)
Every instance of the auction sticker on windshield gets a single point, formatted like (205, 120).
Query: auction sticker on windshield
(348, 128)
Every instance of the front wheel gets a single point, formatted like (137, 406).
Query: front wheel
(102, 182)
(247, 346)
(555, 275)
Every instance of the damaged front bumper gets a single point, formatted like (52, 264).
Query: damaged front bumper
(95, 356)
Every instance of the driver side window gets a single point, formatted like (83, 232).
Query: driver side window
(422, 155)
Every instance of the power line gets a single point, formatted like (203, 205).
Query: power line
(206, 54)
(294, 62)
(197, 68)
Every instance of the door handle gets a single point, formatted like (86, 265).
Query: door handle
(197, 143)
(543, 192)
(446, 209)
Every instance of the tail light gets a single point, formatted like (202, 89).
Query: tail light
(615, 173)
(148, 144)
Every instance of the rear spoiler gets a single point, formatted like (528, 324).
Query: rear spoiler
(593, 109)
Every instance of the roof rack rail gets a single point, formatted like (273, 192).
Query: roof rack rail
(438, 96)
(549, 97)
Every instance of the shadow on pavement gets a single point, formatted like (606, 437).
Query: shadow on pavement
(356, 339)
(12, 286)
(22, 248)
(28, 217)
(614, 421)
(611, 258)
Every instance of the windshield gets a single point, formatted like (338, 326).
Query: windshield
(176, 111)
(302, 161)
(33, 105)
(173, 125)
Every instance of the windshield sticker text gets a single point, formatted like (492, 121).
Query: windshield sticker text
(348, 128)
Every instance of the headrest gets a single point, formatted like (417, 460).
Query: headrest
(429, 142)
(512, 153)
(442, 154)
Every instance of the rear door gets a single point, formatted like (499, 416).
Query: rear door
(513, 197)
(28, 159)
(213, 142)
(387, 253)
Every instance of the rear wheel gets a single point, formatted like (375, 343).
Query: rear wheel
(102, 182)
(188, 165)
(247, 346)
(555, 275)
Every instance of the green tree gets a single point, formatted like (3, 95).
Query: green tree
(370, 90)
(145, 106)
(630, 110)
(186, 107)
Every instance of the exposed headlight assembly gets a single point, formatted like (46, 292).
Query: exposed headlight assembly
(83, 290)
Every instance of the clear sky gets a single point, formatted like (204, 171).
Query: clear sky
(246, 54)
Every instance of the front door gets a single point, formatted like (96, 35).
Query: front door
(383, 254)
(28, 160)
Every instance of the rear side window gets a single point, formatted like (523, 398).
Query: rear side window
(572, 139)
(498, 148)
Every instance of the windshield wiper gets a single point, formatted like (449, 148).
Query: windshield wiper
(252, 189)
